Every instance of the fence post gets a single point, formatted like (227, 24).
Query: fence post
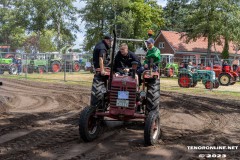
(65, 69)
(26, 65)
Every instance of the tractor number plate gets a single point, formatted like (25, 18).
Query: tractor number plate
(123, 94)
(122, 102)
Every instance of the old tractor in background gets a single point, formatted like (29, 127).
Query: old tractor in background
(42, 62)
(167, 66)
(72, 62)
(190, 77)
(118, 97)
(226, 75)
(7, 64)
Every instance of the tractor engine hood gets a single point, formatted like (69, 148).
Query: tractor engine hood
(124, 81)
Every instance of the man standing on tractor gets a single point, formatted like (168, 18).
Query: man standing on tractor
(100, 53)
(152, 53)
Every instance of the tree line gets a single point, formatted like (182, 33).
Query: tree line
(216, 20)
(38, 25)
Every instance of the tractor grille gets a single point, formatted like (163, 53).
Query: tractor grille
(114, 95)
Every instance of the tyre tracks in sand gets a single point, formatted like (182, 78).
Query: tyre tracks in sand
(53, 133)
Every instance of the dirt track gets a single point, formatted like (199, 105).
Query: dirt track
(40, 121)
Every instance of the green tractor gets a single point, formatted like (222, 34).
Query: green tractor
(189, 78)
(72, 62)
(167, 66)
(42, 62)
(7, 64)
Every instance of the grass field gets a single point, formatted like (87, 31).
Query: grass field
(167, 84)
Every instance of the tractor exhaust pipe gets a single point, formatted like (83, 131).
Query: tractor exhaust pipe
(112, 57)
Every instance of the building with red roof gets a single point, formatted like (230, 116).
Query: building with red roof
(170, 42)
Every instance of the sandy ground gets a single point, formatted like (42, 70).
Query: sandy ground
(40, 121)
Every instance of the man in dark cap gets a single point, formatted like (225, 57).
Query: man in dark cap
(100, 53)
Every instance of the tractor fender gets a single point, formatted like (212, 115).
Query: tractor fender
(235, 74)
(230, 74)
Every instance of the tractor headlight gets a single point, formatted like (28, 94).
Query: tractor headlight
(143, 94)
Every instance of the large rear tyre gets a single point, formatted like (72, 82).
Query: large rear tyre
(152, 130)
(56, 66)
(76, 67)
(184, 81)
(153, 95)
(170, 72)
(89, 125)
(98, 90)
(224, 79)
(13, 69)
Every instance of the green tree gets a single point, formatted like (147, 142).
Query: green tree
(174, 14)
(10, 33)
(130, 18)
(203, 21)
(215, 20)
(63, 16)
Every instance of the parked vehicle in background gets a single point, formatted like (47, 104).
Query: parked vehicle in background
(89, 67)
(167, 66)
(190, 77)
(7, 64)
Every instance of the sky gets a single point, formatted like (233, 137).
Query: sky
(80, 35)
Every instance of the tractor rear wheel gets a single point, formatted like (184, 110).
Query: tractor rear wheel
(152, 130)
(89, 125)
(13, 69)
(76, 67)
(184, 81)
(153, 95)
(55, 66)
(224, 79)
(98, 90)
(170, 72)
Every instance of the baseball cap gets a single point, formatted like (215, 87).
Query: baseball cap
(107, 36)
(150, 40)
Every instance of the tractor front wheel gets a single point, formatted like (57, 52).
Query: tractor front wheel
(216, 84)
(208, 85)
(152, 130)
(224, 79)
(89, 124)
(41, 70)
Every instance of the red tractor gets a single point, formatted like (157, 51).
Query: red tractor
(118, 97)
(226, 76)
